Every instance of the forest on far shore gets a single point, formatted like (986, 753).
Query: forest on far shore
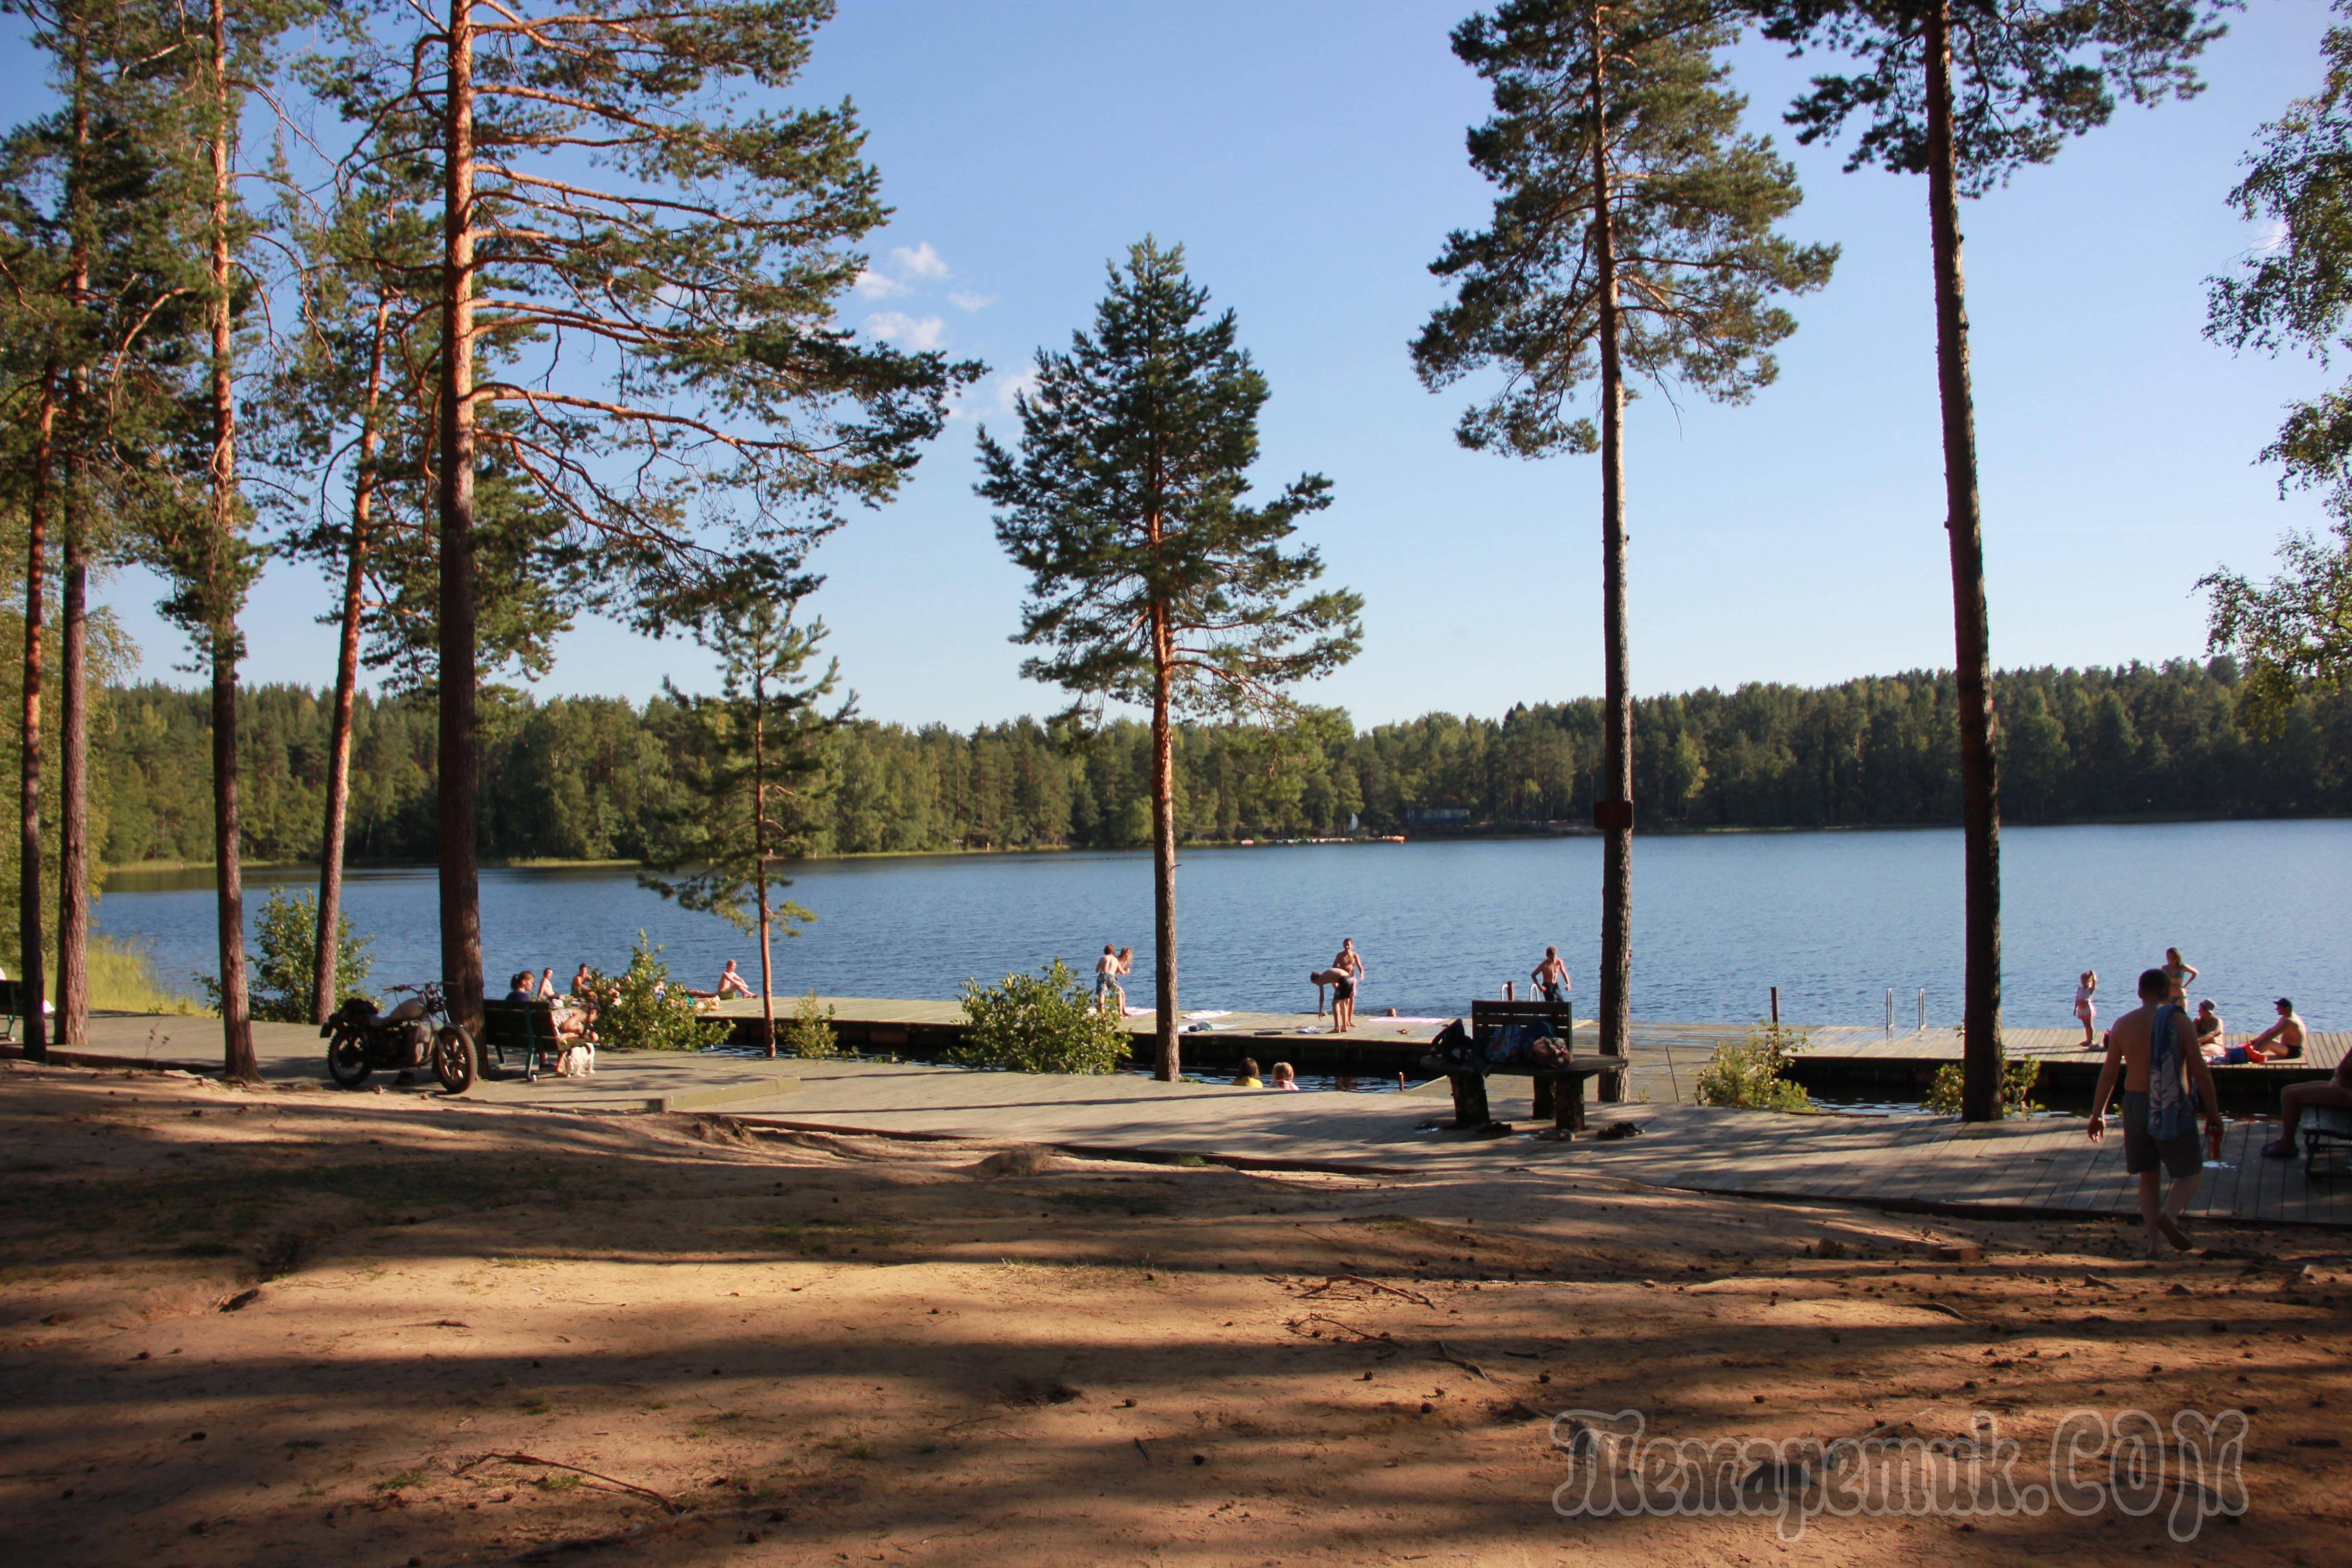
(580, 778)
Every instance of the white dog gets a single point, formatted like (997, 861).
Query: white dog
(578, 1061)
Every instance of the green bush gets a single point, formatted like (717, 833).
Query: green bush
(280, 978)
(1746, 1075)
(2016, 1081)
(642, 1010)
(810, 1035)
(1039, 1023)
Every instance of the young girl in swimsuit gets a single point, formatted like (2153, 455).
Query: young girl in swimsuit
(2087, 1010)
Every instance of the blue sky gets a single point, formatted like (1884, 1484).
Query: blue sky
(1308, 155)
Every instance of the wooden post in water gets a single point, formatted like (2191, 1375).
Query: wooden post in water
(1776, 1007)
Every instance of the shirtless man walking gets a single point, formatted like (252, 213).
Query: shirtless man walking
(2159, 1074)
(1552, 976)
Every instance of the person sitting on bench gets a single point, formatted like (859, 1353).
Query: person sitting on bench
(2298, 1098)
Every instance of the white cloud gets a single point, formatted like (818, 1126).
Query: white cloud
(874, 286)
(964, 300)
(914, 332)
(996, 398)
(921, 262)
(1009, 387)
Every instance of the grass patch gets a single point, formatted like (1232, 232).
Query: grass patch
(406, 1481)
(858, 1451)
(1103, 1203)
(123, 979)
(534, 1405)
(560, 1481)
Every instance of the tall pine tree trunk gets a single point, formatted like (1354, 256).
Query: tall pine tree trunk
(759, 855)
(73, 660)
(28, 863)
(73, 773)
(1617, 733)
(461, 912)
(1166, 1065)
(347, 676)
(1980, 756)
(221, 596)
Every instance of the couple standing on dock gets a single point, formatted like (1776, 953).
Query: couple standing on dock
(1344, 977)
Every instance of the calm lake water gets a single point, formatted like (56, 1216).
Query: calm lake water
(1832, 919)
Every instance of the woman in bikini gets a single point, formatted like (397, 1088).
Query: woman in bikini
(2180, 971)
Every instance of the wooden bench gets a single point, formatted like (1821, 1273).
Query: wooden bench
(2330, 1125)
(525, 1030)
(1558, 1090)
(12, 1004)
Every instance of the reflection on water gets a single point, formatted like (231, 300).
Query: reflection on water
(1835, 920)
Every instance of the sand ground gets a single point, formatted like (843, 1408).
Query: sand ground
(294, 1326)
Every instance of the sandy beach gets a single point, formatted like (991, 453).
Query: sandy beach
(296, 1326)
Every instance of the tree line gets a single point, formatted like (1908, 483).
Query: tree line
(594, 778)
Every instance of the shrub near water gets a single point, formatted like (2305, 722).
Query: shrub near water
(810, 1035)
(1039, 1023)
(287, 931)
(644, 1011)
(1746, 1075)
(2016, 1081)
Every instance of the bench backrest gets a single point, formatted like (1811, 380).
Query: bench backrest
(520, 1024)
(1489, 1016)
(12, 997)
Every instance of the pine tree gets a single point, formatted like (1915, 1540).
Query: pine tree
(2293, 633)
(2030, 74)
(604, 188)
(754, 761)
(1634, 233)
(1150, 580)
(89, 316)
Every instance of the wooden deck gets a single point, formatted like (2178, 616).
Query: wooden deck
(1840, 1058)
(2042, 1168)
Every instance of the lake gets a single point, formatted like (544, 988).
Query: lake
(1832, 919)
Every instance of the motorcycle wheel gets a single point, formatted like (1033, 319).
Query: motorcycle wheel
(456, 1061)
(347, 1063)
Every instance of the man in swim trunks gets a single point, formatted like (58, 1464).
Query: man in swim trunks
(1350, 967)
(733, 983)
(2282, 1041)
(2130, 1050)
(1551, 975)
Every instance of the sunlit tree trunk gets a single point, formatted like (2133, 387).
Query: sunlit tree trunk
(1617, 733)
(1166, 1065)
(461, 912)
(760, 856)
(73, 618)
(1979, 739)
(347, 676)
(28, 864)
(236, 1024)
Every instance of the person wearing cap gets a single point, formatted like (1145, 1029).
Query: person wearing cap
(2282, 1041)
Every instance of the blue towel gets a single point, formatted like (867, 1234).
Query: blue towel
(2171, 1106)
